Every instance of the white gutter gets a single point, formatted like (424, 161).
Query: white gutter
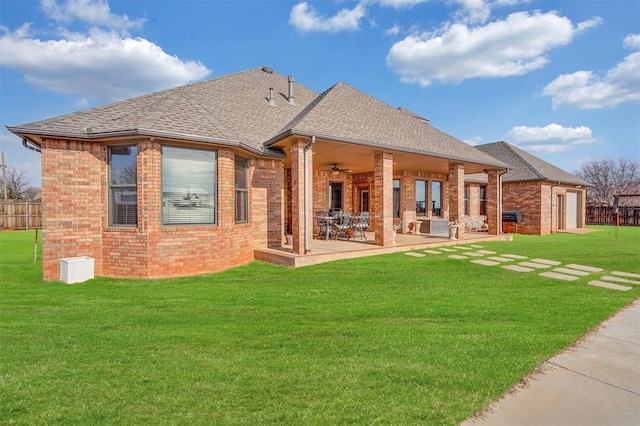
(307, 181)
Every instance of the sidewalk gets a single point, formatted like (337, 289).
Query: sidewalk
(596, 382)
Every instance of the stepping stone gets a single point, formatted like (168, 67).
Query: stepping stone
(485, 262)
(414, 254)
(462, 248)
(626, 274)
(547, 262)
(619, 280)
(558, 276)
(584, 268)
(501, 259)
(534, 265)
(513, 256)
(473, 253)
(572, 272)
(433, 251)
(475, 246)
(609, 285)
(486, 252)
(517, 268)
(457, 256)
(447, 249)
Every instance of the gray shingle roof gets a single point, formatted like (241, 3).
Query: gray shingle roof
(234, 109)
(524, 166)
(343, 113)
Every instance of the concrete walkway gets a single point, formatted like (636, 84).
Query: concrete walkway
(596, 382)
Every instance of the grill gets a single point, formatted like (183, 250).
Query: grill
(512, 216)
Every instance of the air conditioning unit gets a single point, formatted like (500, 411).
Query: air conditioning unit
(76, 269)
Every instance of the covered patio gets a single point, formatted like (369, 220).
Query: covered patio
(327, 251)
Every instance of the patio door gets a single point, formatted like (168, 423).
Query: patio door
(335, 196)
(363, 203)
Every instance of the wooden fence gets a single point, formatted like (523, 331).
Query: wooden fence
(20, 214)
(600, 215)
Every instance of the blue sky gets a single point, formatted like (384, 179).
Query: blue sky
(560, 79)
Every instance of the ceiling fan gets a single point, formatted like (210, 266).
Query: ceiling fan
(335, 170)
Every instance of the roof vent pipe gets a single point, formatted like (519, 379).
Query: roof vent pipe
(290, 98)
(272, 102)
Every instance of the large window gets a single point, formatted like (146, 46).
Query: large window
(242, 190)
(188, 186)
(396, 198)
(436, 198)
(123, 192)
(421, 198)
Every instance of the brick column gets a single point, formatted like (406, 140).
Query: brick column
(494, 204)
(383, 198)
(297, 195)
(456, 195)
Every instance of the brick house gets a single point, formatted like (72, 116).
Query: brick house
(193, 179)
(549, 198)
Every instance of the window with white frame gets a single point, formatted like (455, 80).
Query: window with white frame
(466, 200)
(242, 190)
(396, 198)
(123, 180)
(189, 186)
(436, 198)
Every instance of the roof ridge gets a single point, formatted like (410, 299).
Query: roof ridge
(517, 152)
(304, 112)
(209, 116)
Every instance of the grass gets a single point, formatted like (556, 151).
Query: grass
(381, 340)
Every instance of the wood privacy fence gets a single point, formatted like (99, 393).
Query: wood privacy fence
(601, 215)
(20, 214)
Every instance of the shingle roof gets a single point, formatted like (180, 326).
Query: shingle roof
(524, 166)
(343, 113)
(234, 109)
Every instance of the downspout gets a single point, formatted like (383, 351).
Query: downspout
(551, 208)
(500, 198)
(307, 179)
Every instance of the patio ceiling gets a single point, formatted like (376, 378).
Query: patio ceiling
(360, 158)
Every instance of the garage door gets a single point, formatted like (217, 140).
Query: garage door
(572, 210)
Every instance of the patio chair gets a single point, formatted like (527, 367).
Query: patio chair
(342, 226)
(360, 223)
(323, 225)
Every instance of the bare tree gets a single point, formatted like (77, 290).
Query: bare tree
(610, 178)
(17, 182)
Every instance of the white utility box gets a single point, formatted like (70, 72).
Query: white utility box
(76, 269)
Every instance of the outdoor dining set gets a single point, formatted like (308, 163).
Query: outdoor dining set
(336, 224)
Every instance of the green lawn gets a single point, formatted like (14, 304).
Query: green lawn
(389, 339)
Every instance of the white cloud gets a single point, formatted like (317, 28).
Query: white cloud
(473, 11)
(398, 4)
(513, 46)
(553, 138)
(395, 30)
(93, 12)
(476, 140)
(306, 18)
(102, 64)
(587, 90)
(632, 41)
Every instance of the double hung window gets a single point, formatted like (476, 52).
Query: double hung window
(242, 190)
(123, 191)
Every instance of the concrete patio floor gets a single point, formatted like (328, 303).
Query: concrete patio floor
(327, 251)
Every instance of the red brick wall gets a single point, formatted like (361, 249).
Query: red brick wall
(73, 180)
(75, 220)
(528, 198)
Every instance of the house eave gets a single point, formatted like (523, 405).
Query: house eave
(28, 133)
(498, 165)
